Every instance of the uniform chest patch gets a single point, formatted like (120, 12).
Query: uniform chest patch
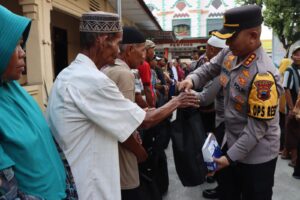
(242, 81)
(239, 99)
(238, 107)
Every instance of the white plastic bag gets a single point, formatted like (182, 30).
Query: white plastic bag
(211, 150)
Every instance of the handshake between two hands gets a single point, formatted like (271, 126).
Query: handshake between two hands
(185, 85)
(187, 97)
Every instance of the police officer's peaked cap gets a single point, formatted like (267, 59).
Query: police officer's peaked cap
(239, 18)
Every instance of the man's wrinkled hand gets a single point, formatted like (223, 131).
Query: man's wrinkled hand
(187, 99)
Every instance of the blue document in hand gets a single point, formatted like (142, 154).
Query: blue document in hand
(211, 150)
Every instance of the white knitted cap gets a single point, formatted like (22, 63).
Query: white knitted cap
(217, 42)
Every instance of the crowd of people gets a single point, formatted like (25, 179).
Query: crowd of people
(290, 70)
(110, 113)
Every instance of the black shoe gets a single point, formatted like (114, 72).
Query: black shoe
(210, 179)
(210, 194)
(296, 175)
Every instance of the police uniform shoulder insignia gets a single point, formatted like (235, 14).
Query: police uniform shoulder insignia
(263, 97)
(249, 59)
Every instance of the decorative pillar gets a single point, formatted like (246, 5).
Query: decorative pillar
(38, 46)
(119, 6)
(163, 14)
(199, 18)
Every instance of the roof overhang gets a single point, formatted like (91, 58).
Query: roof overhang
(158, 36)
(138, 12)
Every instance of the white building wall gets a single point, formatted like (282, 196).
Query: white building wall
(198, 11)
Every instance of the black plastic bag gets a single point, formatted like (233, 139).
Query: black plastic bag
(188, 137)
(148, 188)
(155, 167)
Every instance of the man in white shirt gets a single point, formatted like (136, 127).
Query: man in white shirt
(88, 114)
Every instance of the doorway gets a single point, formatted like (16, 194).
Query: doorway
(60, 51)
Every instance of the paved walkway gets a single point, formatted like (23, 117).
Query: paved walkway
(286, 187)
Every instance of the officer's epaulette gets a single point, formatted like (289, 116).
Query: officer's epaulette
(249, 59)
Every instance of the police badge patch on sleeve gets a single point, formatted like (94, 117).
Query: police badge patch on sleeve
(263, 89)
(263, 97)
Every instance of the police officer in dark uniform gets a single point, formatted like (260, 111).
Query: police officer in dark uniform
(252, 86)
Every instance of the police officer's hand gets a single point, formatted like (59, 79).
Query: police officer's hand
(222, 162)
(187, 99)
(185, 85)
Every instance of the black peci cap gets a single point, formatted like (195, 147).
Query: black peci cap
(132, 36)
(239, 18)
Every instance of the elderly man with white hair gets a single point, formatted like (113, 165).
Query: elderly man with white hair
(213, 46)
(208, 94)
